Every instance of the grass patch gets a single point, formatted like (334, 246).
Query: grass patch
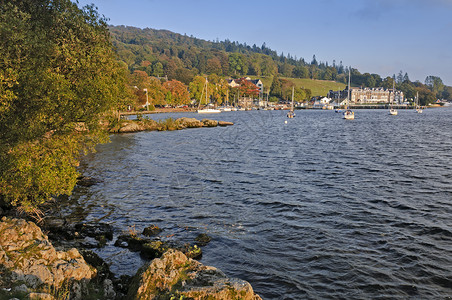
(317, 87)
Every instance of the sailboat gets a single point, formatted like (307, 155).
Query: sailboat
(393, 111)
(338, 109)
(348, 114)
(419, 110)
(206, 110)
(291, 113)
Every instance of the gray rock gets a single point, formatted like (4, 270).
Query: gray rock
(209, 123)
(151, 230)
(109, 291)
(189, 122)
(224, 123)
(27, 254)
(21, 289)
(174, 273)
(131, 127)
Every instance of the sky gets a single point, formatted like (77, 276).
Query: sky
(374, 36)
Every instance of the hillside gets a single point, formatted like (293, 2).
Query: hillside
(317, 87)
(162, 53)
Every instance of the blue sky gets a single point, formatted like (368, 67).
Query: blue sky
(374, 36)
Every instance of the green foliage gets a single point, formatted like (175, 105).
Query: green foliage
(275, 89)
(32, 172)
(436, 85)
(168, 124)
(58, 77)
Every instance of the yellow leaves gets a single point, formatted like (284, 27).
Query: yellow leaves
(34, 172)
(7, 81)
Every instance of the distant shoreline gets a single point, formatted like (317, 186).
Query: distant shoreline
(158, 111)
(192, 110)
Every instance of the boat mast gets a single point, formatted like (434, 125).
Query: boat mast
(348, 94)
(393, 93)
(206, 90)
(293, 88)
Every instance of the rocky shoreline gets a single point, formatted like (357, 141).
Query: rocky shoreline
(32, 268)
(125, 126)
(51, 258)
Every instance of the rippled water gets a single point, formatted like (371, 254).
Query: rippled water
(319, 207)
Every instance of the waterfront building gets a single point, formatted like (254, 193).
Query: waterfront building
(257, 82)
(368, 95)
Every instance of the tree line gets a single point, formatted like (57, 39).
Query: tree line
(181, 57)
(161, 52)
(59, 78)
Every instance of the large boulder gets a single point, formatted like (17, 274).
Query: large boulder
(189, 122)
(224, 123)
(209, 123)
(27, 254)
(131, 127)
(176, 275)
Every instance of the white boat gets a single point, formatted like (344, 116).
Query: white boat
(392, 110)
(206, 110)
(291, 113)
(348, 114)
(225, 108)
(419, 110)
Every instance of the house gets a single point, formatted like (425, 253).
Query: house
(369, 95)
(257, 82)
(322, 103)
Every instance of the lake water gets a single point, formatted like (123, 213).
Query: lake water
(319, 207)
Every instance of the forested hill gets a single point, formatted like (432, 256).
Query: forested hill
(163, 53)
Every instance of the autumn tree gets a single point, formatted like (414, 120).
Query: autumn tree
(197, 88)
(156, 92)
(247, 88)
(213, 66)
(184, 75)
(286, 88)
(179, 92)
(59, 77)
(139, 79)
(218, 87)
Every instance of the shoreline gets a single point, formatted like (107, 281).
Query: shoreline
(193, 110)
(71, 242)
(65, 263)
